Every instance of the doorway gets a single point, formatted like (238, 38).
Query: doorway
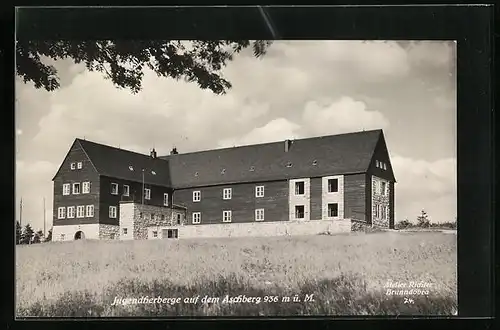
(79, 235)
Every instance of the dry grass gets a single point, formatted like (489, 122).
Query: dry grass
(94, 272)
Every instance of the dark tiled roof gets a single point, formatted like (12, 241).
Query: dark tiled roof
(114, 162)
(318, 156)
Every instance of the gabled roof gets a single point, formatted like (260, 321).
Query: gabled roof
(124, 164)
(318, 156)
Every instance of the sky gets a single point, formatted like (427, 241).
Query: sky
(298, 89)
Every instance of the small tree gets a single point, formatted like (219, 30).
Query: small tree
(49, 236)
(27, 235)
(403, 224)
(423, 220)
(19, 232)
(37, 238)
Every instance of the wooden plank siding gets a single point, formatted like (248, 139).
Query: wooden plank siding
(108, 199)
(316, 198)
(355, 196)
(66, 175)
(242, 204)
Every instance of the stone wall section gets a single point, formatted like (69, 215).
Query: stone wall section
(109, 231)
(380, 200)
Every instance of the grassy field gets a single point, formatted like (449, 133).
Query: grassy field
(345, 273)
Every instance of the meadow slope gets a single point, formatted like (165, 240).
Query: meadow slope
(346, 273)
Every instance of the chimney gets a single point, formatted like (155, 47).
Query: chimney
(174, 151)
(288, 143)
(153, 153)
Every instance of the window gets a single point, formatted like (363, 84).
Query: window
(140, 215)
(252, 168)
(178, 219)
(377, 163)
(223, 171)
(124, 231)
(299, 188)
(259, 191)
(172, 233)
(315, 162)
(196, 196)
(152, 216)
(90, 211)
(153, 172)
(333, 185)
(333, 210)
(79, 165)
(165, 199)
(76, 188)
(112, 236)
(288, 164)
(383, 188)
(73, 166)
(62, 237)
(112, 212)
(71, 212)
(66, 189)
(226, 216)
(61, 212)
(195, 173)
(114, 189)
(80, 211)
(162, 217)
(155, 233)
(196, 217)
(86, 187)
(385, 167)
(126, 190)
(226, 194)
(259, 215)
(147, 193)
(131, 168)
(299, 211)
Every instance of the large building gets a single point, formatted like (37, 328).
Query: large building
(290, 187)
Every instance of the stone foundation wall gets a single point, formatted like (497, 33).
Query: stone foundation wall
(256, 229)
(109, 232)
(154, 216)
(358, 225)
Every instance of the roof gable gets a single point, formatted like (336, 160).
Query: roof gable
(128, 165)
(318, 156)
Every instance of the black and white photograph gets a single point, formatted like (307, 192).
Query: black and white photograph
(235, 178)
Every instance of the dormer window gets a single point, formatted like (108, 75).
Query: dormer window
(385, 167)
(377, 164)
(73, 166)
(315, 162)
(289, 164)
(131, 168)
(252, 168)
(223, 171)
(195, 173)
(79, 165)
(153, 172)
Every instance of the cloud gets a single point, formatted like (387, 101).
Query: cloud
(429, 185)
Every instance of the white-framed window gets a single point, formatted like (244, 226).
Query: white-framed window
(226, 193)
(299, 188)
(61, 212)
(165, 199)
(112, 212)
(299, 211)
(333, 210)
(385, 166)
(155, 233)
(79, 165)
(259, 215)
(76, 188)
(196, 217)
(86, 188)
(90, 211)
(126, 190)
(147, 193)
(62, 237)
(70, 212)
(377, 163)
(114, 188)
(226, 216)
(259, 191)
(333, 185)
(73, 166)
(80, 211)
(383, 188)
(196, 196)
(66, 189)
(124, 231)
